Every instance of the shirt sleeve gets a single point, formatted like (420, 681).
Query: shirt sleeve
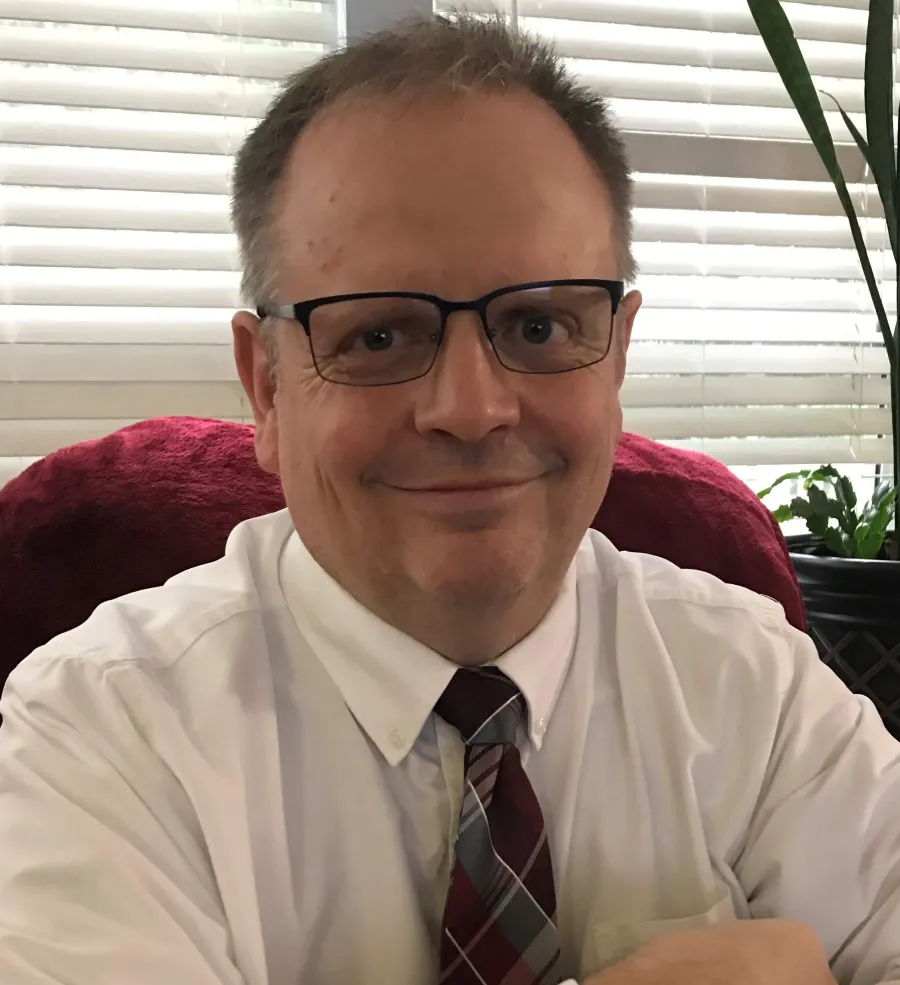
(103, 877)
(823, 845)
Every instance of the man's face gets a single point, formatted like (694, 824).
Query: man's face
(472, 485)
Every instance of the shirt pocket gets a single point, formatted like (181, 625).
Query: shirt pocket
(616, 942)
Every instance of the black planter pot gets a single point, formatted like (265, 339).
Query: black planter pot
(853, 611)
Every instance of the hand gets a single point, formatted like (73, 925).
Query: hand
(745, 952)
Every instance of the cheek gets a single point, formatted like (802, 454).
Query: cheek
(331, 437)
(589, 421)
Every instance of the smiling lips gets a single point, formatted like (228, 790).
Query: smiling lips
(473, 497)
(476, 485)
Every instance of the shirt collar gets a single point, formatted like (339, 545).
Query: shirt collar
(391, 682)
(539, 663)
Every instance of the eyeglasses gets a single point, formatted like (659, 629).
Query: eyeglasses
(382, 338)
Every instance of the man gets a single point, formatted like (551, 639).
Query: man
(422, 726)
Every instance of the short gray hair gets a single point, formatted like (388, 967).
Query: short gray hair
(462, 53)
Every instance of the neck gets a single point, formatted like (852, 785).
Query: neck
(467, 632)
(469, 624)
(467, 638)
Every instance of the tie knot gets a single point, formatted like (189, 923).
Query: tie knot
(483, 705)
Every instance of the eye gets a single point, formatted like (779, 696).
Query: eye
(378, 339)
(376, 336)
(537, 328)
(388, 335)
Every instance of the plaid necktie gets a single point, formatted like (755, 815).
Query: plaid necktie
(499, 924)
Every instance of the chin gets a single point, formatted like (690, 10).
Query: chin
(476, 575)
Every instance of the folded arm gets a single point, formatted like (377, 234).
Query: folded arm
(765, 952)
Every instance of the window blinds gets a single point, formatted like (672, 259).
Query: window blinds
(756, 343)
(117, 126)
(118, 123)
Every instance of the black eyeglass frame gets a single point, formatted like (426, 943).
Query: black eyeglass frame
(301, 312)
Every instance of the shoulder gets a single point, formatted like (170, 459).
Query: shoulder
(705, 674)
(705, 639)
(662, 585)
(200, 616)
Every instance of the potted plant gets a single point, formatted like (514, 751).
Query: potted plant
(848, 565)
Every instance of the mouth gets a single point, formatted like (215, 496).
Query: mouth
(468, 487)
(471, 495)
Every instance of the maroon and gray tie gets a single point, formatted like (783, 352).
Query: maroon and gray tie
(500, 921)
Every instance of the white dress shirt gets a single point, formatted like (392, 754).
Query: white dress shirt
(238, 779)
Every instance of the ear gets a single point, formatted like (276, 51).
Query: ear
(625, 316)
(253, 355)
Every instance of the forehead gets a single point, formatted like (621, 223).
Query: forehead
(455, 194)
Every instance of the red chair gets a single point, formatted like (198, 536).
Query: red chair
(125, 512)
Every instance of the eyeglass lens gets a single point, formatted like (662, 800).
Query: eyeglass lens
(381, 340)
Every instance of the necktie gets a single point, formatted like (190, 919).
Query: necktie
(499, 924)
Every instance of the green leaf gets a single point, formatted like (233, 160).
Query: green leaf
(823, 504)
(846, 496)
(783, 514)
(847, 520)
(883, 496)
(868, 546)
(887, 193)
(869, 539)
(897, 175)
(819, 501)
(836, 510)
(801, 507)
(817, 524)
(824, 473)
(879, 76)
(884, 514)
(788, 477)
(778, 36)
(866, 541)
(835, 542)
(861, 141)
(847, 492)
(871, 533)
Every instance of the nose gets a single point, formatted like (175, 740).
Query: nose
(467, 394)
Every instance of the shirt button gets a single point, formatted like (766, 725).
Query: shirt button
(540, 726)
(397, 739)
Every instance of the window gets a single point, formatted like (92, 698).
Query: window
(117, 130)
(757, 343)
